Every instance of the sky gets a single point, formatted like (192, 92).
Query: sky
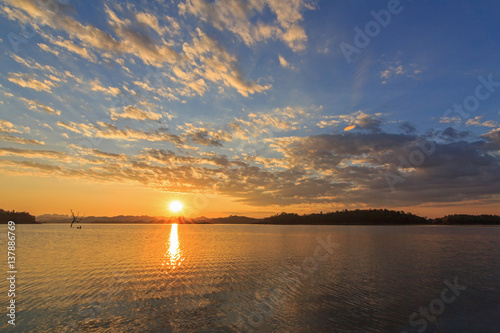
(249, 107)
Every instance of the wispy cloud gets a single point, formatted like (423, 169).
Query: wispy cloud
(396, 69)
(30, 81)
(39, 106)
(110, 131)
(476, 121)
(96, 85)
(30, 153)
(15, 139)
(133, 112)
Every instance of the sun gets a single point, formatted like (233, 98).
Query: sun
(175, 206)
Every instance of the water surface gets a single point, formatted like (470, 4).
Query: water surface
(230, 278)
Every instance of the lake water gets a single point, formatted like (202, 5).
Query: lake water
(251, 278)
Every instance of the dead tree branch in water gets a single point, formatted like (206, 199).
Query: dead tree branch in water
(75, 218)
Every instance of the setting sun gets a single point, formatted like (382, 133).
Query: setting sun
(175, 206)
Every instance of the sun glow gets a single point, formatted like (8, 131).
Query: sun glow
(175, 206)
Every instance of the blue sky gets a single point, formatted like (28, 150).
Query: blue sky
(254, 103)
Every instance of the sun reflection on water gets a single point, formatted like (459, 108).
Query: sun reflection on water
(173, 256)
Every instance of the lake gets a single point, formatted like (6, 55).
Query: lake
(256, 278)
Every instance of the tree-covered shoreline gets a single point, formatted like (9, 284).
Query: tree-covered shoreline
(17, 217)
(377, 217)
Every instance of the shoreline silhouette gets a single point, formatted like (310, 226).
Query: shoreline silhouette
(344, 217)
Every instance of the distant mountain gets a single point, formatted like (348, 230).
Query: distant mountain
(54, 218)
(57, 218)
(232, 219)
(17, 217)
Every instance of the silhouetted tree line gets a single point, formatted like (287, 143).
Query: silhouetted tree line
(376, 217)
(350, 217)
(468, 219)
(18, 217)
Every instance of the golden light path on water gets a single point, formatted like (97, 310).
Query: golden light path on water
(173, 256)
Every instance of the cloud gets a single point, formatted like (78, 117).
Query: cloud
(15, 139)
(93, 152)
(396, 69)
(30, 153)
(32, 64)
(137, 42)
(30, 81)
(327, 123)
(295, 37)
(477, 122)
(8, 127)
(272, 121)
(347, 168)
(49, 49)
(325, 152)
(493, 138)
(450, 120)
(39, 106)
(392, 71)
(204, 136)
(170, 158)
(284, 63)
(207, 58)
(270, 158)
(29, 167)
(159, 88)
(456, 170)
(96, 85)
(106, 155)
(110, 131)
(140, 34)
(407, 128)
(269, 122)
(449, 134)
(358, 120)
(70, 46)
(245, 20)
(130, 41)
(133, 112)
(41, 77)
(152, 22)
